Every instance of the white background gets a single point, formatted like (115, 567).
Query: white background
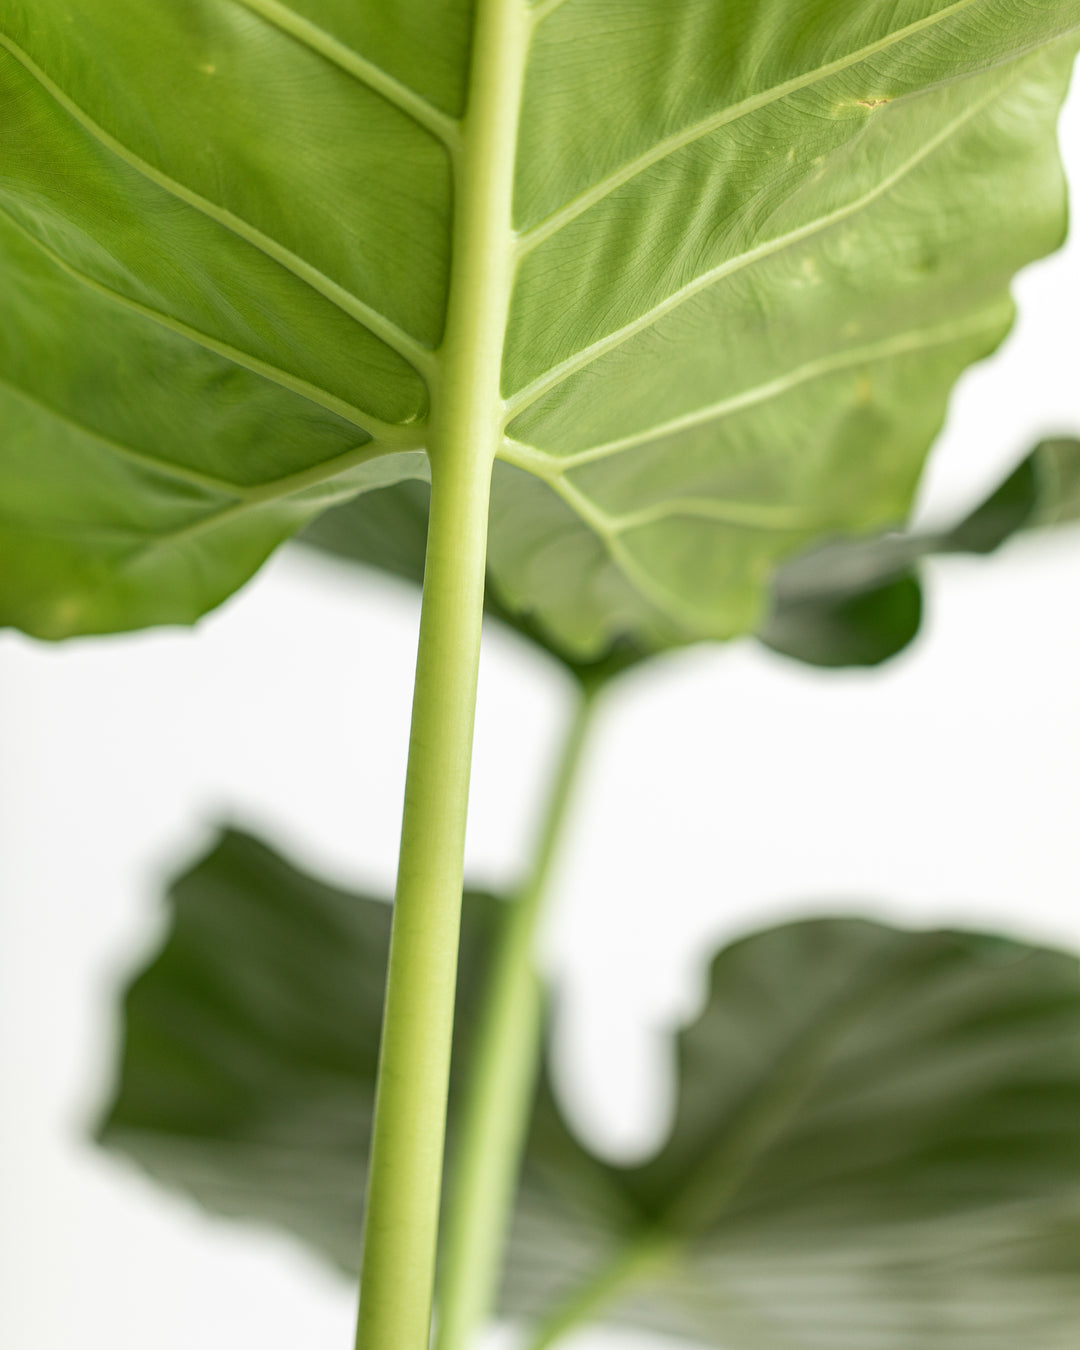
(725, 788)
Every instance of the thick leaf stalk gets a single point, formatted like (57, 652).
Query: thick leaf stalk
(402, 1212)
(467, 417)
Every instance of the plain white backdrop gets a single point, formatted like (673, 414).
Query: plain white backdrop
(726, 788)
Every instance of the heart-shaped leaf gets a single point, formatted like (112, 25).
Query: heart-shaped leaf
(876, 1143)
(753, 250)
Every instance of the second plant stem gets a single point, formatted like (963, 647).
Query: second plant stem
(504, 1064)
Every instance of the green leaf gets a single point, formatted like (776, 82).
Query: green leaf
(387, 530)
(755, 249)
(850, 602)
(1043, 491)
(864, 628)
(251, 1043)
(858, 601)
(875, 1140)
(876, 1143)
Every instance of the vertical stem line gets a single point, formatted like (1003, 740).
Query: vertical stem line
(504, 1068)
(405, 1173)
(466, 427)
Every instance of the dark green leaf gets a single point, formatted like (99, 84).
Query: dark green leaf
(876, 1142)
(386, 529)
(754, 250)
(251, 1042)
(857, 601)
(864, 629)
(1058, 482)
(1009, 509)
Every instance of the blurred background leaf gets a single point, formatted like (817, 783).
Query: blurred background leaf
(858, 601)
(876, 1139)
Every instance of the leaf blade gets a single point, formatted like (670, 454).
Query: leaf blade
(676, 185)
(875, 1137)
(856, 1176)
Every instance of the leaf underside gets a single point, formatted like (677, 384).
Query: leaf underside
(849, 602)
(756, 248)
(875, 1142)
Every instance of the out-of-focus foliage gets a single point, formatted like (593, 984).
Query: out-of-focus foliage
(859, 602)
(874, 1143)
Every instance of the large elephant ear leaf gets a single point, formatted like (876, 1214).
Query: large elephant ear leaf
(754, 251)
(717, 400)
(876, 1140)
(876, 1143)
(251, 1040)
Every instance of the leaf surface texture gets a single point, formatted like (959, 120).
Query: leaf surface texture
(756, 244)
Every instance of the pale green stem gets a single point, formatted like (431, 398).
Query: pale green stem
(466, 429)
(406, 1155)
(633, 1262)
(504, 1068)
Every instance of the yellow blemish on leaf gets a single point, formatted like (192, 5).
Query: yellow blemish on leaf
(208, 68)
(872, 102)
(66, 612)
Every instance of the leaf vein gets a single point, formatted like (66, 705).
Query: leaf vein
(181, 472)
(387, 433)
(542, 8)
(424, 113)
(667, 602)
(587, 355)
(421, 358)
(531, 238)
(915, 340)
(278, 489)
